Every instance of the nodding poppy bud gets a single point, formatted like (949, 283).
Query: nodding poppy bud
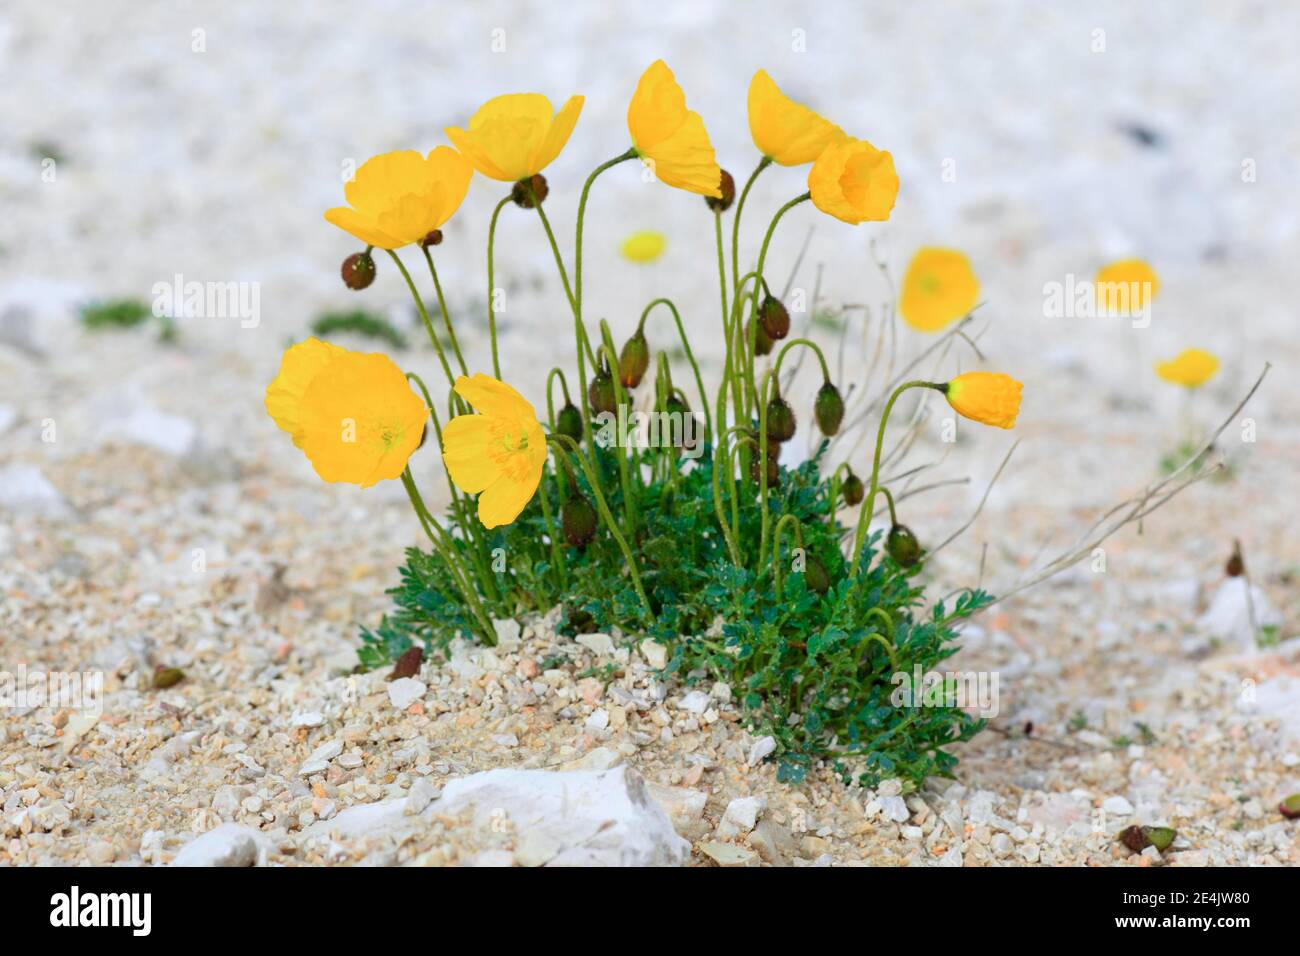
(633, 360)
(358, 271)
(578, 519)
(600, 393)
(780, 420)
(762, 344)
(903, 546)
(774, 319)
(723, 203)
(530, 192)
(815, 576)
(569, 422)
(1290, 807)
(1236, 565)
(828, 409)
(432, 239)
(773, 466)
(676, 405)
(853, 490)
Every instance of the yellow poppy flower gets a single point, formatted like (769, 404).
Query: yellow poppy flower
(1125, 287)
(854, 182)
(399, 198)
(497, 454)
(988, 397)
(515, 136)
(670, 138)
(785, 131)
(938, 287)
(1192, 368)
(645, 246)
(353, 414)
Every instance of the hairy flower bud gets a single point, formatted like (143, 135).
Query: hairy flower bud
(569, 422)
(903, 546)
(774, 318)
(358, 271)
(780, 419)
(723, 203)
(601, 394)
(762, 344)
(853, 490)
(815, 576)
(633, 360)
(530, 192)
(432, 239)
(828, 409)
(578, 519)
(773, 465)
(1236, 565)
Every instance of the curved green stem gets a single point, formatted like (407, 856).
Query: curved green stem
(446, 316)
(622, 453)
(807, 343)
(690, 356)
(491, 271)
(762, 259)
(782, 523)
(735, 223)
(424, 314)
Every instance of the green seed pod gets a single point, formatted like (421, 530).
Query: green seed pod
(1290, 807)
(358, 271)
(528, 193)
(634, 360)
(762, 344)
(774, 318)
(815, 576)
(601, 395)
(828, 409)
(578, 519)
(569, 422)
(903, 546)
(780, 420)
(853, 490)
(164, 677)
(728, 187)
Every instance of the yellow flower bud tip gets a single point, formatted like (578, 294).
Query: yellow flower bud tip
(939, 287)
(643, 247)
(498, 453)
(515, 136)
(1125, 287)
(668, 137)
(991, 398)
(784, 131)
(854, 182)
(1192, 368)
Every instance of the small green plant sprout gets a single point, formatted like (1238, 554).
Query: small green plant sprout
(125, 314)
(359, 322)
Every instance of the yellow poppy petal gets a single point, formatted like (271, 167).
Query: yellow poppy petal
(939, 287)
(658, 107)
(475, 153)
(452, 172)
(465, 443)
(558, 135)
(299, 365)
(1125, 287)
(854, 182)
(506, 498)
(783, 130)
(362, 227)
(492, 397)
(1192, 368)
(992, 398)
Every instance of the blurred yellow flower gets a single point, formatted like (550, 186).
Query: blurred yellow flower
(353, 414)
(668, 137)
(497, 454)
(988, 397)
(783, 130)
(515, 136)
(854, 182)
(938, 288)
(1125, 287)
(1192, 368)
(399, 198)
(644, 246)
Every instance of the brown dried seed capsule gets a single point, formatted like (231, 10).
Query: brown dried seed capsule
(1133, 838)
(358, 271)
(164, 677)
(1236, 565)
(408, 665)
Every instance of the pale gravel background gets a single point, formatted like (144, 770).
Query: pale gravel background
(218, 166)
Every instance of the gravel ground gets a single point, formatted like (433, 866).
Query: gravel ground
(152, 515)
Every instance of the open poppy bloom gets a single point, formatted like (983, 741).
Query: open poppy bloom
(353, 414)
(399, 198)
(854, 182)
(497, 454)
(991, 398)
(1125, 287)
(1191, 369)
(670, 138)
(517, 135)
(784, 131)
(939, 287)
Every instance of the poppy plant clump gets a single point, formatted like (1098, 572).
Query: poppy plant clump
(768, 577)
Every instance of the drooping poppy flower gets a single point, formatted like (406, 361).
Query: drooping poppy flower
(399, 198)
(854, 182)
(670, 138)
(353, 414)
(517, 135)
(1125, 287)
(939, 287)
(991, 398)
(1192, 368)
(785, 131)
(497, 454)
(644, 246)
